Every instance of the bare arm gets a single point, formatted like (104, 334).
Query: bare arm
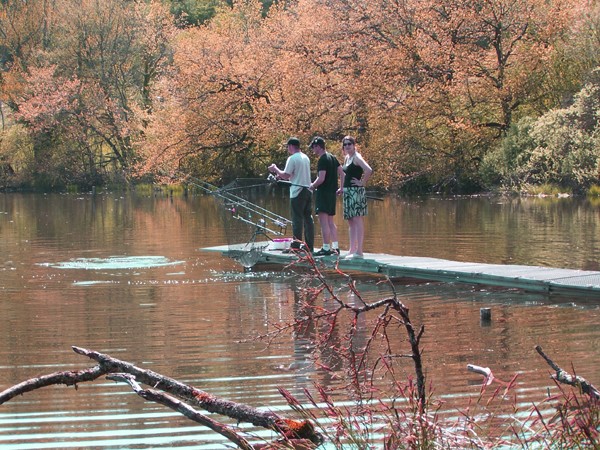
(281, 174)
(319, 180)
(342, 176)
(367, 171)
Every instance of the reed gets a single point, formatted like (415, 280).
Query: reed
(395, 411)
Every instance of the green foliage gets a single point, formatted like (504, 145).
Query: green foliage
(594, 191)
(194, 12)
(15, 147)
(43, 161)
(562, 147)
(190, 13)
(545, 189)
(500, 166)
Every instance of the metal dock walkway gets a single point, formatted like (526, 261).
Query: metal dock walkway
(529, 278)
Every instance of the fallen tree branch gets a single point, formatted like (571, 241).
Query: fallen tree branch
(69, 378)
(177, 405)
(565, 377)
(186, 395)
(206, 401)
(194, 396)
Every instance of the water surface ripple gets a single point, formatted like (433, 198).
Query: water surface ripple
(124, 275)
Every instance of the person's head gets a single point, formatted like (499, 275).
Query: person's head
(348, 145)
(317, 145)
(293, 144)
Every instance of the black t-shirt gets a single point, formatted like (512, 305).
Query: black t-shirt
(329, 164)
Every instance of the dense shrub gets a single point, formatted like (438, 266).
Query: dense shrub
(561, 147)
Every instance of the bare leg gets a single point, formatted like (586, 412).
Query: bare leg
(359, 225)
(325, 228)
(352, 233)
(333, 235)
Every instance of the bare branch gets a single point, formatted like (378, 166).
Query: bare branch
(69, 378)
(566, 378)
(184, 394)
(194, 396)
(177, 405)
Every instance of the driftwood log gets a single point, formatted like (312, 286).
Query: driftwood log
(177, 396)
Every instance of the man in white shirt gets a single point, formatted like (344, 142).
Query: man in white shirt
(297, 172)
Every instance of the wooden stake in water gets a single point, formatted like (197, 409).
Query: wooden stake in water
(485, 315)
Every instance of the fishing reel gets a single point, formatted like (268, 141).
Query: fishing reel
(272, 178)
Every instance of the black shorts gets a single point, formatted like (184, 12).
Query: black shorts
(325, 202)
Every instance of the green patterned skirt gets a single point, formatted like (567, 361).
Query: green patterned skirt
(355, 202)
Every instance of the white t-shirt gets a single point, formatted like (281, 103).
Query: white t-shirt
(298, 166)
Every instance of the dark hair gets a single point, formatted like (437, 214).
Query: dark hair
(349, 139)
(293, 141)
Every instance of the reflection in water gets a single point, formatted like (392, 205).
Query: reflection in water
(197, 316)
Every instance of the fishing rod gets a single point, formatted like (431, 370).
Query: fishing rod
(273, 179)
(242, 209)
(233, 186)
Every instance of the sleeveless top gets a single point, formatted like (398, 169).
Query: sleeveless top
(352, 171)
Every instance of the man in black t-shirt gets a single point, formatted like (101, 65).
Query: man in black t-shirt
(326, 186)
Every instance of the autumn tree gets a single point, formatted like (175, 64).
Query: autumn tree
(25, 30)
(443, 81)
(85, 94)
(243, 83)
(427, 87)
(573, 59)
(216, 114)
(205, 108)
(25, 27)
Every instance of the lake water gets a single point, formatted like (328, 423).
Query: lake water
(125, 275)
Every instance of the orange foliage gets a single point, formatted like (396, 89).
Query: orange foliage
(427, 86)
(444, 80)
(49, 98)
(242, 84)
(91, 85)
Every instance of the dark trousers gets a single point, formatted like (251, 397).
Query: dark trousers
(302, 218)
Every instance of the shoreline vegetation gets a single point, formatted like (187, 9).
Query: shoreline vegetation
(182, 190)
(458, 98)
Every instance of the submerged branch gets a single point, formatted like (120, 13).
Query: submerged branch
(565, 377)
(177, 405)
